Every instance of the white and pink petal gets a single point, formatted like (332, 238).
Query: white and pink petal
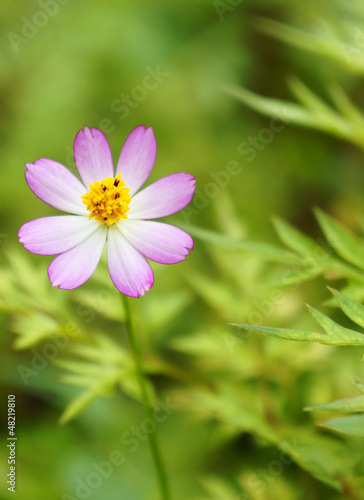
(56, 234)
(157, 241)
(56, 185)
(129, 270)
(164, 197)
(92, 156)
(137, 157)
(73, 268)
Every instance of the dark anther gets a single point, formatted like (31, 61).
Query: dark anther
(117, 196)
(103, 188)
(116, 182)
(105, 218)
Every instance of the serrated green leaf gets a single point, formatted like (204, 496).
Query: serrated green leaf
(352, 425)
(286, 333)
(335, 334)
(338, 335)
(260, 250)
(352, 309)
(346, 244)
(347, 405)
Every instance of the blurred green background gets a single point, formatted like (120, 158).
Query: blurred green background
(67, 65)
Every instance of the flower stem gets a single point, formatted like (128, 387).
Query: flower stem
(153, 437)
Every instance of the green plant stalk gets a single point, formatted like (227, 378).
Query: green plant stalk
(153, 437)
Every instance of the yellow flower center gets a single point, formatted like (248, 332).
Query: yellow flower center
(108, 200)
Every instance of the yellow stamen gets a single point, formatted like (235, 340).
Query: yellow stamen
(108, 200)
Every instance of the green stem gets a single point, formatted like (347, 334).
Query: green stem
(153, 437)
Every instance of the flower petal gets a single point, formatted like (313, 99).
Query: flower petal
(157, 241)
(129, 271)
(92, 156)
(56, 185)
(162, 198)
(137, 157)
(57, 234)
(73, 268)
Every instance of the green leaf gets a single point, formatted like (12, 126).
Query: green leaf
(338, 335)
(346, 244)
(86, 369)
(260, 250)
(352, 309)
(359, 386)
(236, 413)
(347, 405)
(321, 456)
(98, 384)
(217, 488)
(309, 99)
(286, 111)
(218, 295)
(295, 276)
(351, 58)
(197, 343)
(106, 351)
(286, 333)
(296, 240)
(129, 384)
(103, 301)
(353, 290)
(78, 381)
(352, 425)
(346, 106)
(33, 329)
(162, 309)
(329, 120)
(76, 406)
(335, 334)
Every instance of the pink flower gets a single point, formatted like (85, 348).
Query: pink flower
(109, 210)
